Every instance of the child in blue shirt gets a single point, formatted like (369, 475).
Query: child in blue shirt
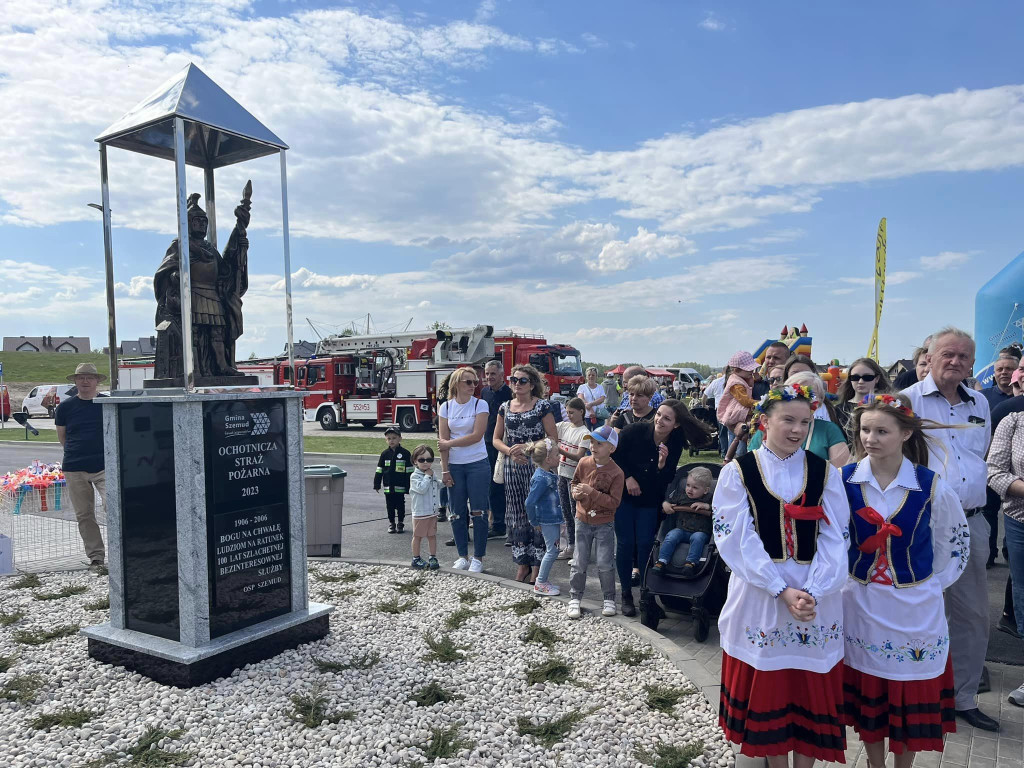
(543, 508)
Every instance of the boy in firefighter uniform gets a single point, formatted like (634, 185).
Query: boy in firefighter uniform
(393, 470)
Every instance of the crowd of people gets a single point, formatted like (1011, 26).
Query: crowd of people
(857, 526)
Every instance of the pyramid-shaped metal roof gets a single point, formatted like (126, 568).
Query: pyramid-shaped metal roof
(218, 130)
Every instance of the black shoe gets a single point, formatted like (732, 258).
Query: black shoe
(628, 608)
(442, 515)
(450, 543)
(401, 527)
(659, 566)
(985, 684)
(391, 528)
(1007, 626)
(978, 719)
(689, 568)
(990, 562)
(496, 533)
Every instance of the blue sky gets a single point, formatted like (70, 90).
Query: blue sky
(662, 181)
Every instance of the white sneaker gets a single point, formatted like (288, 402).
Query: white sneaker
(476, 566)
(1017, 696)
(609, 608)
(547, 590)
(461, 564)
(574, 609)
(565, 554)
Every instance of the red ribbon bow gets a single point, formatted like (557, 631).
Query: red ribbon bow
(885, 529)
(801, 512)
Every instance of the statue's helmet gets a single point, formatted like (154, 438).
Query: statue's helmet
(194, 211)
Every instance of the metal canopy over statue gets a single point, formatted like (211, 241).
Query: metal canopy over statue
(219, 281)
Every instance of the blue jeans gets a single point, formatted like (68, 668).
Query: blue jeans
(551, 533)
(679, 536)
(741, 448)
(497, 493)
(635, 527)
(1014, 540)
(472, 487)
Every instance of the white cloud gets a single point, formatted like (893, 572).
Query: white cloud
(712, 23)
(891, 278)
(650, 332)
(140, 285)
(593, 41)
(945, 260)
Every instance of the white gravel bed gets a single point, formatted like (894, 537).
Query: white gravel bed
(248, 719)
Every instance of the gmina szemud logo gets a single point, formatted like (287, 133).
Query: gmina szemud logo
(254, 423)
(260, 423)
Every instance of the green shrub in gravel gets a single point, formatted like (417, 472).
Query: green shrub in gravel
(456, 619)
(60, 594)
(632, 657)
(443, 649)
(28, 581)
(542, 635)
(525, 606)
(554, 670)
(395, 606)
(556, 730)
(670, 756)
(432, 694)
(663, 698)
(311, 710)
(6, 619)
(411, 587)
(21, 688)
(471, 596)
(344, 578)
(103, 604)
(145, 753)
(65, 718)
(367, 660)
(444, 744)
(42, 636)
(6, 662)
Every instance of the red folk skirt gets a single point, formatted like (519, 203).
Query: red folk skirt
(789, 710)
(912, 714)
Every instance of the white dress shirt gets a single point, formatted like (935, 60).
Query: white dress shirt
(755, 625)
(958, 455)
(901, 633)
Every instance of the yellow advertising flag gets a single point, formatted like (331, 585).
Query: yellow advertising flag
(879, 288)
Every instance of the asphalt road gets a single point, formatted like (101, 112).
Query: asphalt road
(364, 534)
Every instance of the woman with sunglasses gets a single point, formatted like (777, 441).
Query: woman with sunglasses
(523, 419)
(461, 424)
(865, 377)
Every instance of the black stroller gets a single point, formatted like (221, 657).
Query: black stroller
(707, 416)
(701, 594)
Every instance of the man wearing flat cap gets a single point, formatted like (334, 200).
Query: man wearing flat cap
(79, 421)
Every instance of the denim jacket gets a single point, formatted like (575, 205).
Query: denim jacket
(426, 494)
(542, 505)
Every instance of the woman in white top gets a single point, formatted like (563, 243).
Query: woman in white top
(461, 424)
(909, 541)
(592, 393)
(780, 519)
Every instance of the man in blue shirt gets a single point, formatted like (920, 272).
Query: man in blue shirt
(79, 422)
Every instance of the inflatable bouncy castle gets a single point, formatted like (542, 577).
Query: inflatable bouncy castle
(798, 341)
(998, 316)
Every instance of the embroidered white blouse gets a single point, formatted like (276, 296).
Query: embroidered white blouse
(901, 634)
(756, 627)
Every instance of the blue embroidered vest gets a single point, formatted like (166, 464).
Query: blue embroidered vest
(768, 509)
(909, 555)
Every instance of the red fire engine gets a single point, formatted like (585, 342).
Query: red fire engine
(393, 378)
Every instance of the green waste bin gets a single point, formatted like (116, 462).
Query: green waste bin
(325, 495)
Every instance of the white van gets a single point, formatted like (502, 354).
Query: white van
(44, 399)
(689, 377)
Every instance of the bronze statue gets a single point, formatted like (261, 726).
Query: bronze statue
(218, 284)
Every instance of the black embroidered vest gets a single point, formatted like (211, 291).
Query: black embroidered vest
(769, 510)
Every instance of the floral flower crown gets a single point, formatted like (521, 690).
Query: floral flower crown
(786, 393)
(890, 401)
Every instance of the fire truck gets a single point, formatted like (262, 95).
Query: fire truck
(393, 378)
(389, 378)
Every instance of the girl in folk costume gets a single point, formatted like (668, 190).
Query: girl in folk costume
(780, 518)
(909, 540)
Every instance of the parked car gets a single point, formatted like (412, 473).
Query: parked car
(5, 403)
(44, 399)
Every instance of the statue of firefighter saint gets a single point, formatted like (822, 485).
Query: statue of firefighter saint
(218, 284)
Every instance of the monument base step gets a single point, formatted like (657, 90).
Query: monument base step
(178, 382)
(170, 663)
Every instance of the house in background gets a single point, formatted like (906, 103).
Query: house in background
(144, 346)
(69, 344)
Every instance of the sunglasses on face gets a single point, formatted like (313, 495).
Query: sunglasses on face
(519, 379)
(774, 379)
(471, 382)
(424, 461)
(868, 377)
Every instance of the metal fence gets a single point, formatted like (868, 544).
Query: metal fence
(41, 526)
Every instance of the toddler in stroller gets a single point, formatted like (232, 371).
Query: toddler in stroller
(692, 507)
